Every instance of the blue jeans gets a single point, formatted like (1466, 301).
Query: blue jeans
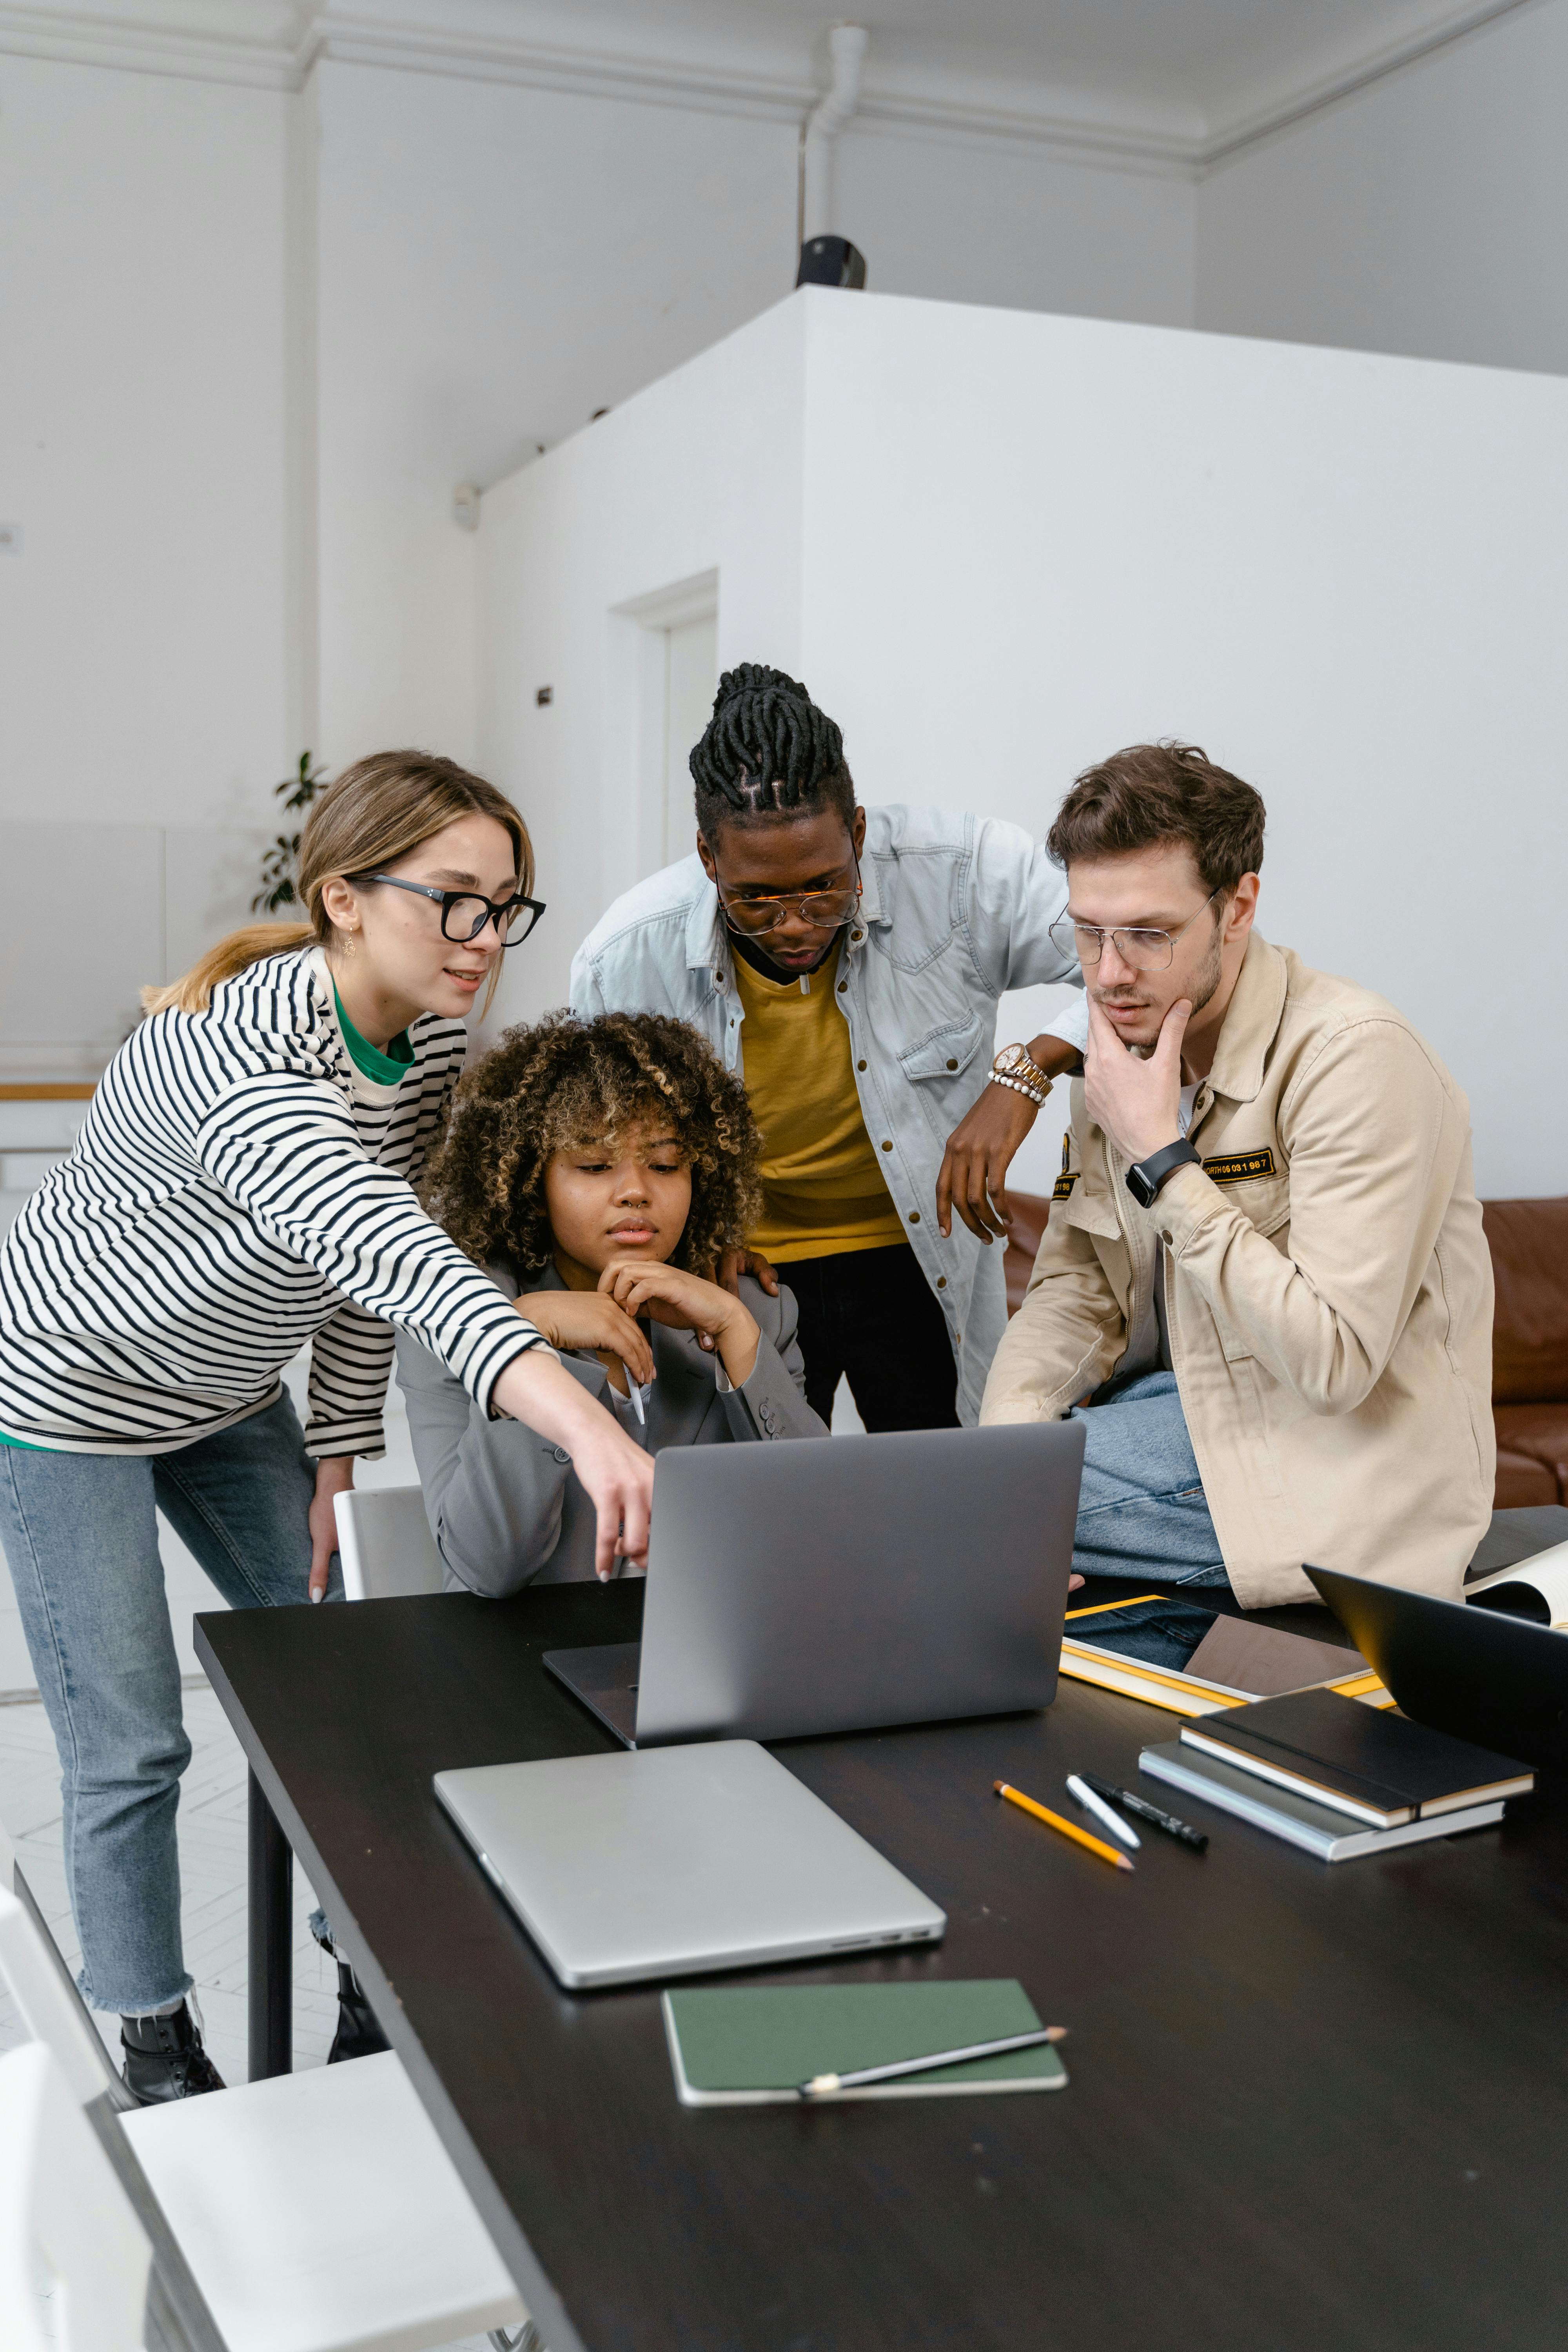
(82, 1541)
(1141, 1509)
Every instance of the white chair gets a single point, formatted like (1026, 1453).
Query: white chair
(317, 2213)
(386, 1545)
(64, 2220)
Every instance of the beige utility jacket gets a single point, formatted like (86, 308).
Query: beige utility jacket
(1329, 1293)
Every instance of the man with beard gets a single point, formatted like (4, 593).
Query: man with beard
(1265, 1272)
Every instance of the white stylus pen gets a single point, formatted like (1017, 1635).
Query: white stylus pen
(1085, 1796)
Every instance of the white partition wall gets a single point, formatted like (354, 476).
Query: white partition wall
(997, 545)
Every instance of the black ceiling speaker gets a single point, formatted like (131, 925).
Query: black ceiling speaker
(831, 261)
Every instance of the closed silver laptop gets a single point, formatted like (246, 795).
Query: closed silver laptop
(677, 1861)
(837, 1584)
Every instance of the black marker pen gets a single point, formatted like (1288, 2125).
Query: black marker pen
(1145, 1812)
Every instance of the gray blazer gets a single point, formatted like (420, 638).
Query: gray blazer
(505, 1506)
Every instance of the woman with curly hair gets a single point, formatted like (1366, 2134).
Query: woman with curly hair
(596, 1170)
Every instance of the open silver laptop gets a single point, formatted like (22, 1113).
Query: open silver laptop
(835, 1584)
(679, 1859)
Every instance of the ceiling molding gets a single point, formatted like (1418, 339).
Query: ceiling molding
(349, 38)
(189, 54)
(1283, 113)
(271, 58)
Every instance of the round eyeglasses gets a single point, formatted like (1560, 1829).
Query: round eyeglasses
(1141, 951)
(825, 910)
(465, 913)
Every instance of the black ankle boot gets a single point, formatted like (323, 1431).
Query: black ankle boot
(164, 2058)
(358, 2034)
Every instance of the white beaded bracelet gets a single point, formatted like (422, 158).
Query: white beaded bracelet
(999, 1078)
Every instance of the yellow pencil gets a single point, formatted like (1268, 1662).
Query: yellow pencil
(1068, 1828)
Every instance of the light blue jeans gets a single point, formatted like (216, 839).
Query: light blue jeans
(1141, 1509)
(82, 1541)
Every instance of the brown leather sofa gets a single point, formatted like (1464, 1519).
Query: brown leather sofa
(1029, 1211)
(1529, 1243)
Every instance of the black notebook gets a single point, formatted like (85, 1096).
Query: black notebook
(1374, 1765)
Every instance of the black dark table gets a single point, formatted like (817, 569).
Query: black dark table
(1311, 2109)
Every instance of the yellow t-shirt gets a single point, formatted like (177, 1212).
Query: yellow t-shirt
(823, 1187)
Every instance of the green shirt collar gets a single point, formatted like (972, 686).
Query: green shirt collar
(387, 1069)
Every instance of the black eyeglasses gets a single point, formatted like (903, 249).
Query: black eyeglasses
(465, 913)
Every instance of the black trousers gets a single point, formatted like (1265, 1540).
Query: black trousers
(870, 1315)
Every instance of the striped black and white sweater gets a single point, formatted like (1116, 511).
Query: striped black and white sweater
(238, 1189)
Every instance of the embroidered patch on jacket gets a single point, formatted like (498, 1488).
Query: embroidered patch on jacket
(1062, 1187)
(1235, 1167)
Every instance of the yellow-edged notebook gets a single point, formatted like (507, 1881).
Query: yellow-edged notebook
(1194, 1661)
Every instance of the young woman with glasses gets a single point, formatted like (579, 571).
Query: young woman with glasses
(243, 1185)
(849, 962)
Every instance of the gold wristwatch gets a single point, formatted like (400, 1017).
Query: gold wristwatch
(1012, 1068)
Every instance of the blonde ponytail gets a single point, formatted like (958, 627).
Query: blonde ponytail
(379, 810)
(192, 992)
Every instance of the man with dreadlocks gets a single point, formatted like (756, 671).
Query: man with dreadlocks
(848, 962)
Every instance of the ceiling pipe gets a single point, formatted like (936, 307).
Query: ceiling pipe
(847, 46)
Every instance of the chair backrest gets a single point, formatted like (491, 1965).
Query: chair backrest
(65, 2221)
(49, 2001)
(386, 1545)
(1529, 1244)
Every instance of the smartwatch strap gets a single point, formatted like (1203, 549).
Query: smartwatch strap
(1151, 1173)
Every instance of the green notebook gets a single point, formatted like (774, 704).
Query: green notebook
(748, 2045)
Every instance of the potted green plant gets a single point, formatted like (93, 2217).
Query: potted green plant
(296, 792)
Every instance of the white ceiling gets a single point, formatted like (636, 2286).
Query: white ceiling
(1176, 82)
(1201, 65)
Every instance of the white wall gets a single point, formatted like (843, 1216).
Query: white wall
(699, 474)
(496, 263)
(986, 222)
(254, 338)
(143, 626)
(1025, 541)
(146, 682)
(1426, 215)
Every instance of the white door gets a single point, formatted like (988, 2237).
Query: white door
(690, 677)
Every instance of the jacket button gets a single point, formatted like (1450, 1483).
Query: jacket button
(887, 1146)
(559, 1454)
(842, 986)
(941, 1282)
(860, 1066)
(953, 1065)
(857, 935)
(914, 1216)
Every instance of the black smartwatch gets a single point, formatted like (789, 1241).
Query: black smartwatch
(1145, 1176)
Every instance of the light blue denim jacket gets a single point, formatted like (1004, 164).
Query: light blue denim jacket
(956, 910)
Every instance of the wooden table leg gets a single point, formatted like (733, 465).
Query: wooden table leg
(271, 1938)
